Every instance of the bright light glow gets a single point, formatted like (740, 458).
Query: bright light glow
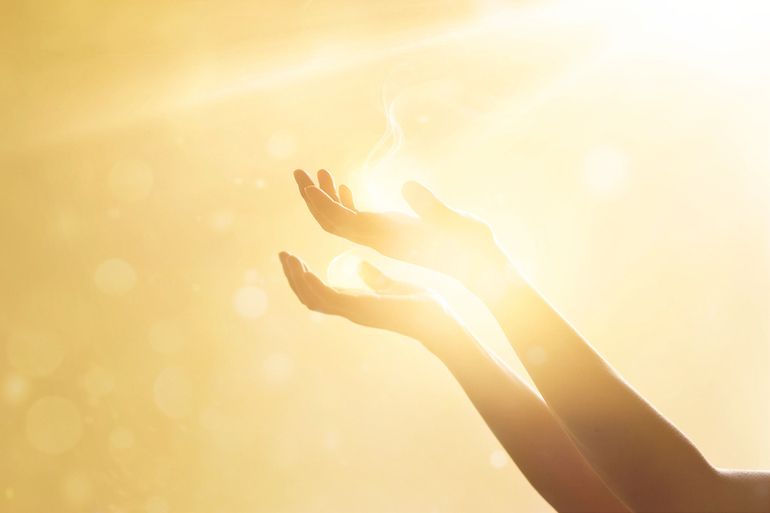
(606, 171)
(728, 31)
(617, 148)
(342, 271)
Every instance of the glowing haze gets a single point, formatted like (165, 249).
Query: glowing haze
(154, 359)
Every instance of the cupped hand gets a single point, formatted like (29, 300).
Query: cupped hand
(392, 305)
(437, 236)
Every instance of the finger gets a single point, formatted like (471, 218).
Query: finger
(290, 275)
(333, 216)
(318, 296)
(384, 312)
(424, 202)
(373, 277)
(367, 310)
(383, 284)
(321, 218)
(326, 182)
(303, 180)
(324, 296)
(309, 297)
(346, 197)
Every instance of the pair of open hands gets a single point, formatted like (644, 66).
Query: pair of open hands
(437, 237)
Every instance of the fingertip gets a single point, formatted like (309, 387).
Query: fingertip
(372, 276)
(298, 263)
(365, 267)
(411, 193)
(424, 202)
(293, 261)
(346, 197)
(302, 177)
(411, 187)
(302, 180)
(365, 272)
(325, 180)
(414, 194)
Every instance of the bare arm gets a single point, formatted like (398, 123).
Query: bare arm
(646, 461)
(641, 455)
(529, 432)
(517, 416)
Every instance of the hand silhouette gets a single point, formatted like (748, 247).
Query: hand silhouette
(519, 418)
(393, 306)
(437, 237)
(591, 417)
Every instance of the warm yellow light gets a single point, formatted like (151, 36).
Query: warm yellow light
(342, 271)
(702, 32)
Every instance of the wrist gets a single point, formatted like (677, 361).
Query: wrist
(493, 276)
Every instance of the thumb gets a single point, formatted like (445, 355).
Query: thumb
(381, 283)
(424, 203)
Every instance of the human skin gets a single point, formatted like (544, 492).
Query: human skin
(641, 456)
(518, 417)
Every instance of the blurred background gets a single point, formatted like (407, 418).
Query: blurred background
(153, 358)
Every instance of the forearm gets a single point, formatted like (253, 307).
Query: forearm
(526, 428)
(640, 455)
(741, 490)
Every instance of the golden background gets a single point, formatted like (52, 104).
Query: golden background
(154, 359)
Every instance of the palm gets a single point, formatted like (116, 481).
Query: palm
(437, 237)
(399, 235)
(394, 306)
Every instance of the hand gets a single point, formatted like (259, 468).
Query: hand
(438, 237)
(394, 306)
